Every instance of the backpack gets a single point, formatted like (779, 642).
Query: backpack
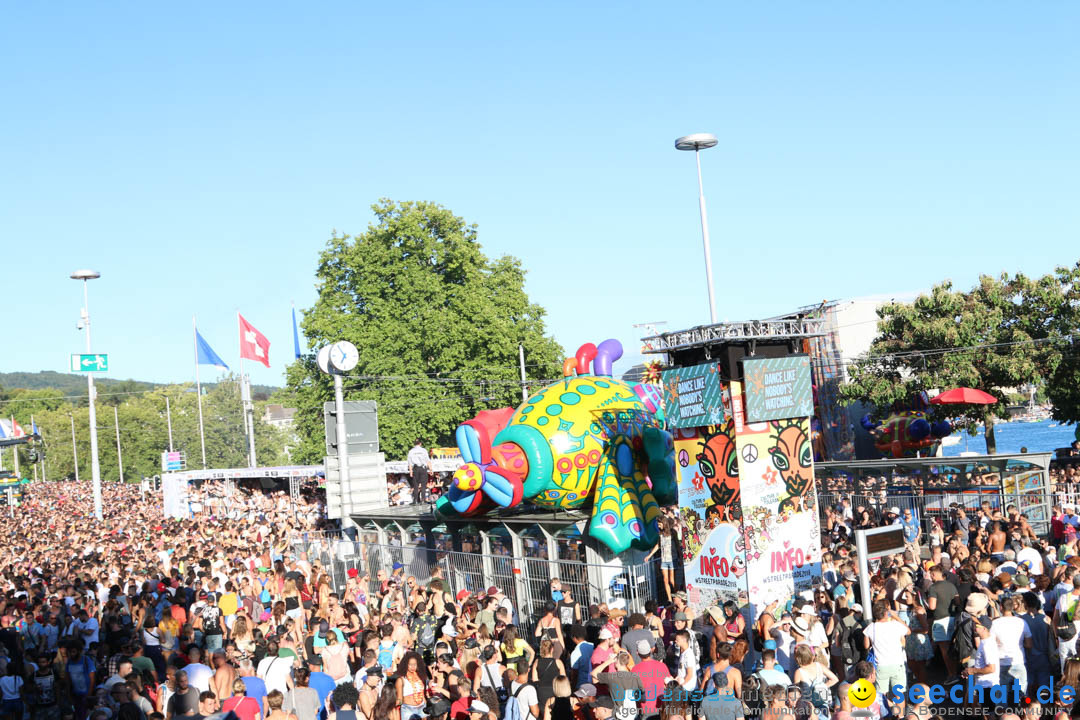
(513, 709)
(851, 641)
(1064, 627)
(264, 596)
(425, 631)
(963, 645)
(386, 655)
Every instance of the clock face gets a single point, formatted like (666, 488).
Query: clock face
(344, 356)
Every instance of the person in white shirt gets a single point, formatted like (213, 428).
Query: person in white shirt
(419, 468)
(887, 636)
(1012, 636)
(1032, 558)
(688, 664)
(984, 670)
(525, 695)
(199, 674)
(276, 671)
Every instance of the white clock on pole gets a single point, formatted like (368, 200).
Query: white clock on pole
(344, 356)
(322, 359)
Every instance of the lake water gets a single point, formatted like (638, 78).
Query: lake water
(1036, 437)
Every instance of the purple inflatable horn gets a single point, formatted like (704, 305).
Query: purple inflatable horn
(606, 354)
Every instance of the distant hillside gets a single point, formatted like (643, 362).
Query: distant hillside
(70, 384)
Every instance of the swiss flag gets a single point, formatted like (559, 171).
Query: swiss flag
(253, 344)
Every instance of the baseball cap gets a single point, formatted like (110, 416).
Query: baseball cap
(682, 616)
(462, 595)
(644, 647)
(768, 645)
(605, 634)
(585, 690)
(352, 572)
(398, 566)
(479, 706)
(493, 590)
(605, 701)
(894, 510)
(324, 629)
(986, 622)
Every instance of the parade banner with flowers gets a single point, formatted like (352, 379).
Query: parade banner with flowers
(781, 529)
(713, 561)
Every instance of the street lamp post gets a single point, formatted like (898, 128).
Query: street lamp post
(698, 142)
(95, 466)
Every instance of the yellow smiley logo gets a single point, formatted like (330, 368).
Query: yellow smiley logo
(861, 693)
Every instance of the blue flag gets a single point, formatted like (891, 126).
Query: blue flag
(206, 354)
(295, 335)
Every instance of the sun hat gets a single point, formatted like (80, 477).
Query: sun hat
(976, 603)
(682, 617)
(800, 626)
(716, 614)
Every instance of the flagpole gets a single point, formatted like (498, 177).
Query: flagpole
(119, 454)
(41, 455)
(198, 389)
(33, 429)
(15, 449)
(245, 395)
(74, 448)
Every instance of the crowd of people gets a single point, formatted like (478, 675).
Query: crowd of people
(141, 618)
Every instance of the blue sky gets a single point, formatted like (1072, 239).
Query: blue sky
(200, 155)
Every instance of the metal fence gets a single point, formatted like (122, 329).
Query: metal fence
(526, 581)
(933, 505)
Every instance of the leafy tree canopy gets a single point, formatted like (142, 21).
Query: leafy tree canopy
(436, 322)
(999, 336)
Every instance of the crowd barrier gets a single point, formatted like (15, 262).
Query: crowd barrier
(526, 581)
(936, 504)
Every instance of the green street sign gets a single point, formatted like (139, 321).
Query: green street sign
(90, 363)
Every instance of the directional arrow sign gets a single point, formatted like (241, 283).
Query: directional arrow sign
(90, 363)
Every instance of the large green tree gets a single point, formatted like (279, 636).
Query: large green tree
(436, 322)
(998, 336)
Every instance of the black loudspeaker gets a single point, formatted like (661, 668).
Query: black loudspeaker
(730, 355)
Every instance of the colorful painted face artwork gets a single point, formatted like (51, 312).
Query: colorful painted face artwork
(713, 557)
(780, 519)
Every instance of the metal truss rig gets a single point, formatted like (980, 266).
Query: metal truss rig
(785, 328)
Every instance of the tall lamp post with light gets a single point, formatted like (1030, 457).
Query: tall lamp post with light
(698, 142)
(95, 466)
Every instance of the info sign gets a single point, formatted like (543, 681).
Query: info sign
(778, 388)
(693, 396)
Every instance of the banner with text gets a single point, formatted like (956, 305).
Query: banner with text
(713, 560)
(693, 396)
(778, 388)
(781, 528)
